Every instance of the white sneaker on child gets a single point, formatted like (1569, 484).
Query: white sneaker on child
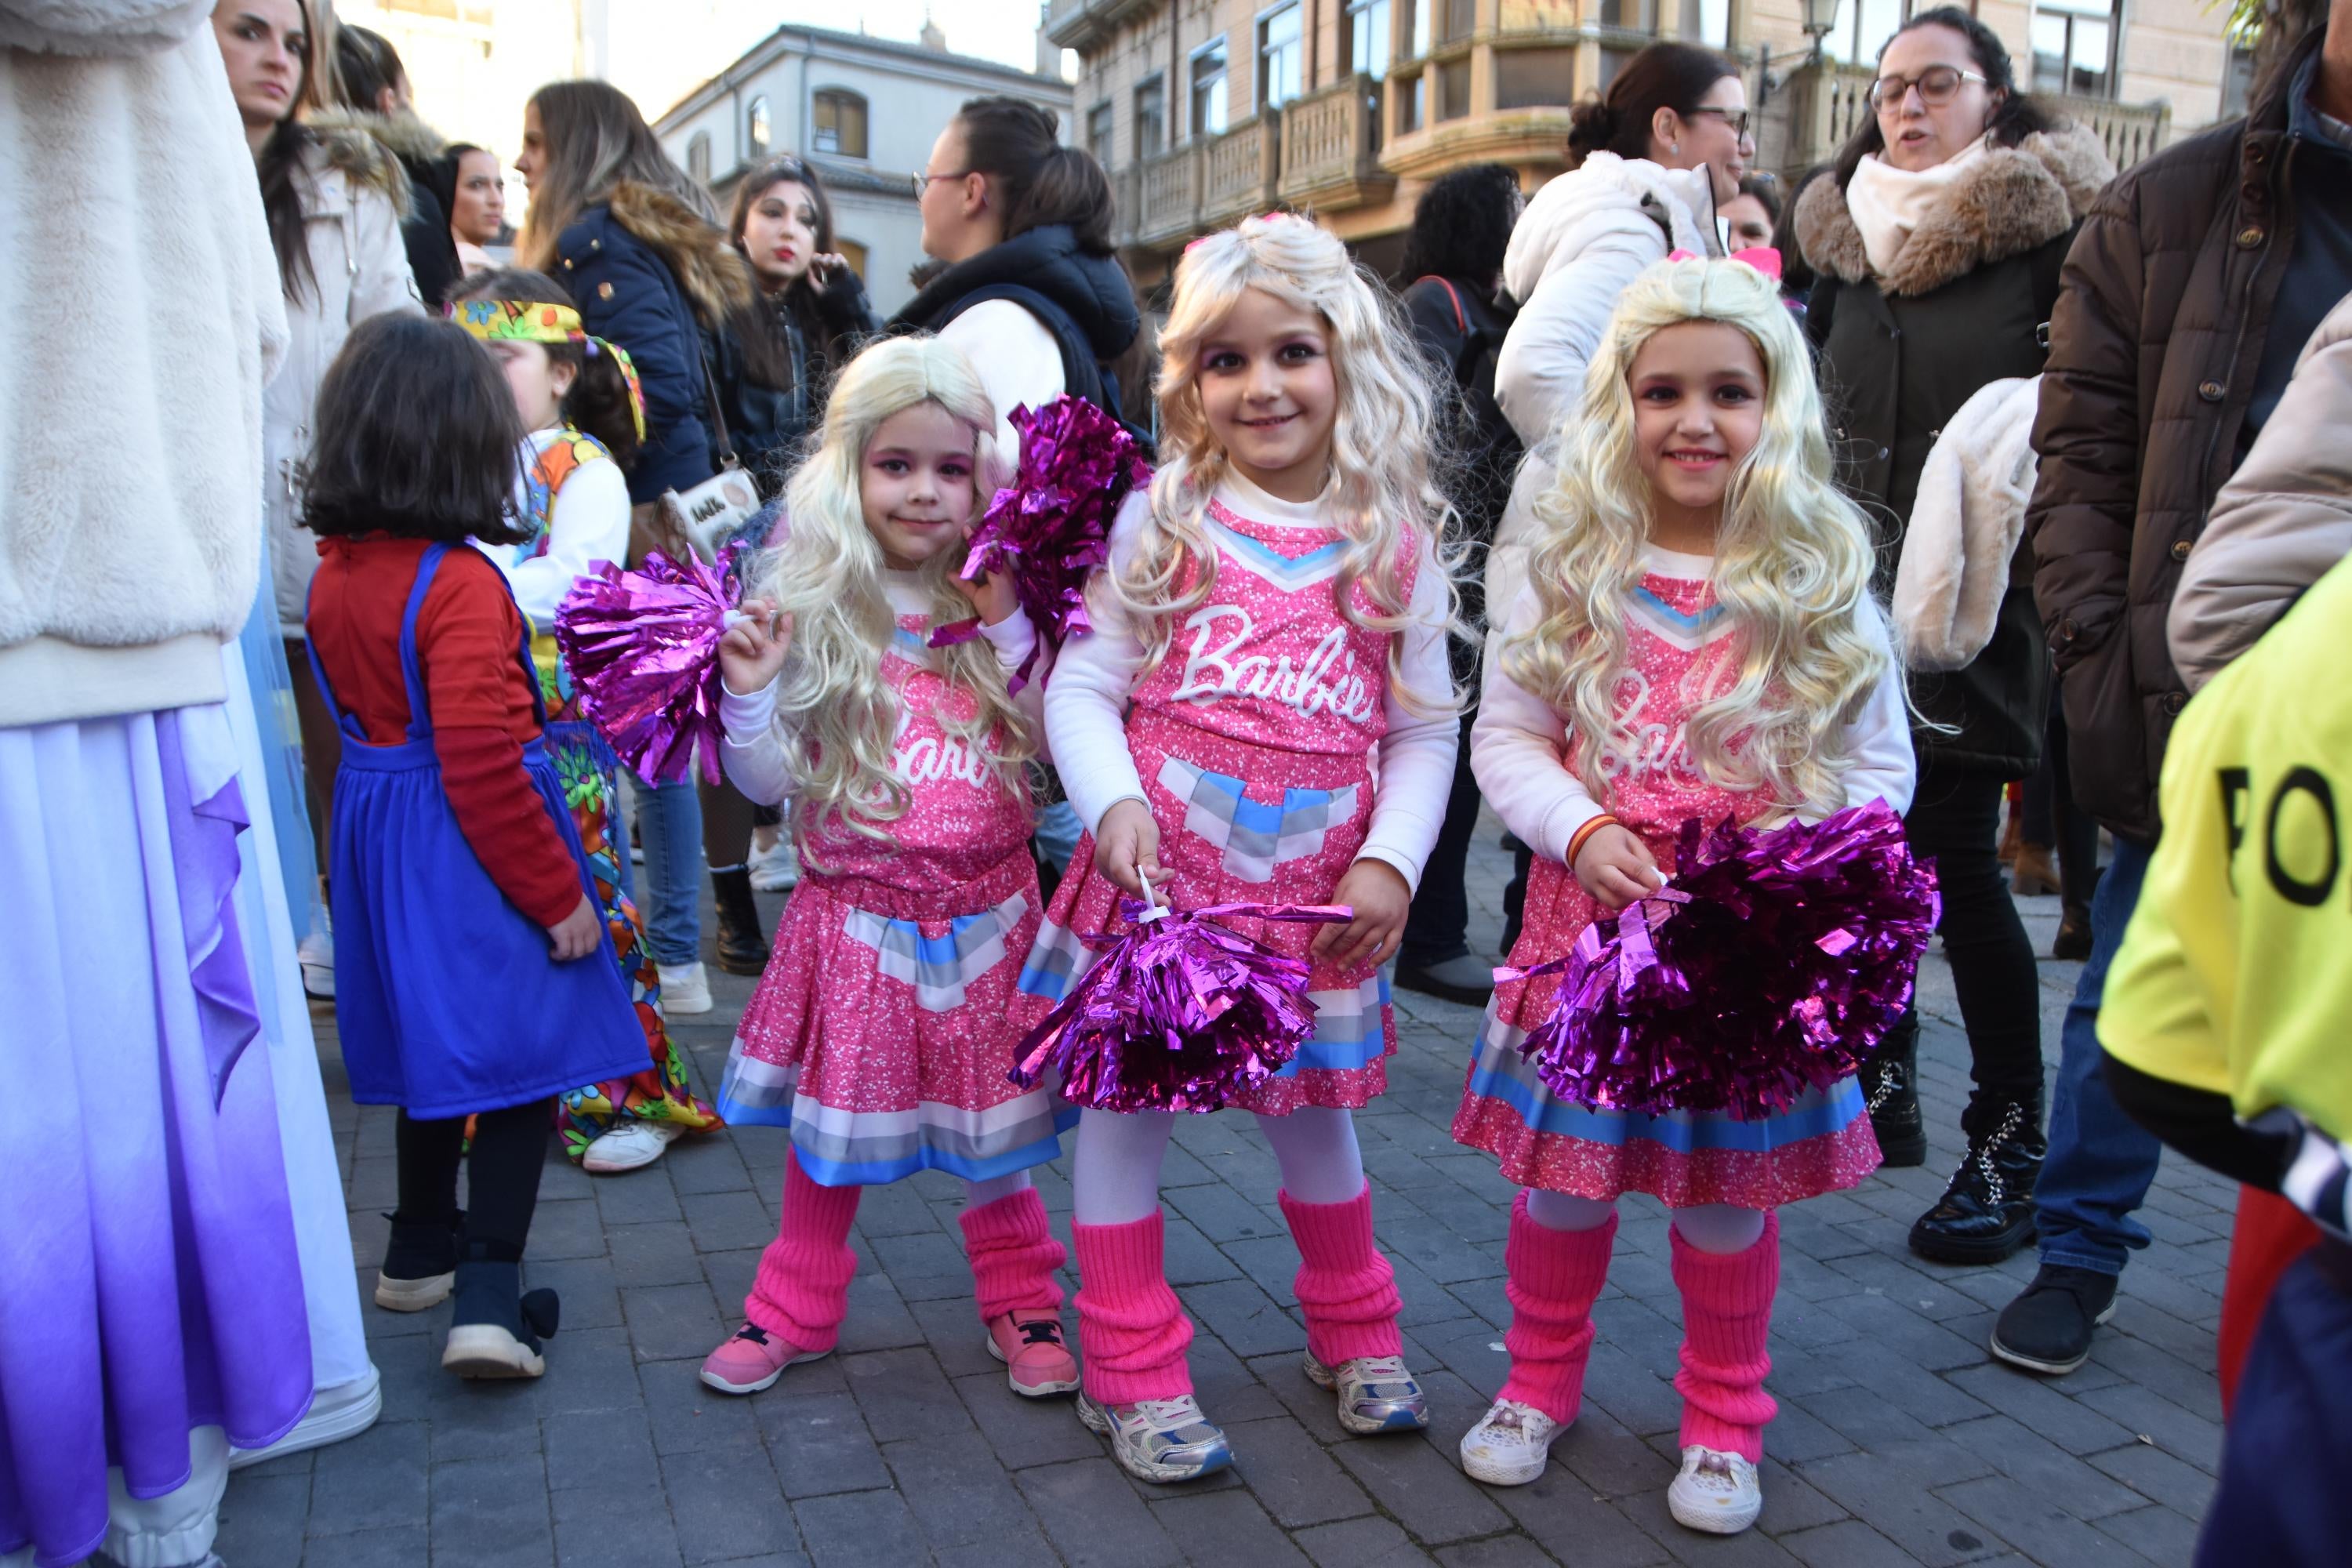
(630, 1144)
(1510, 1446)
(1717, 1492)
(316, 954)
(685, 988)
(1159, 1439)
(776, 868)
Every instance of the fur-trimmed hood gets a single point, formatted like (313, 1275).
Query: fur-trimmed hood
(2015, 199)
(713, 273)
(343, 153)
(400, 132)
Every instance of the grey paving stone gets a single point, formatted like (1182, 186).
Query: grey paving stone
(1226, 1527)
(672, 1322)
(714, 1166)
(1245, 1318)
(2157, 1477)
(1360, 1543)
(1025, 1432)
(609, 1452)
(622, 1527)
(1612, 1460)
(721, 1221)
(401, 1547)
(262, 1518)
(878, 1319)
(818, 1442)
(652, 1255)
(2044, 1405)
(688, 1418)
(958, 1490)
(904, 1394)
(1229, 1391)
(726, 1504)
(1889, 1488)
(642, 1196)
(493, 1511)
(1850, 1543)
(2156, 1533)
(485, 1420)
(2024, 1516)
(587, 1369)
(849, 1530)
(1421, 1488)
(1094, 1517)
(570, 1228)
(1563, 1515)
(1223, 1213)
(1293, 1475)
(372, 1481)
(2045, 1468)
(1501, 1551)
(2147, 1414)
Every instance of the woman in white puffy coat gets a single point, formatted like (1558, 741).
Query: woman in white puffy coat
(1648, 164)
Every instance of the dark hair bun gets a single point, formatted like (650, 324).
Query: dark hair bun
(1591, 126)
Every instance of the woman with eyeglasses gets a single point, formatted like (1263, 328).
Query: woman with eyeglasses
(1938, 240)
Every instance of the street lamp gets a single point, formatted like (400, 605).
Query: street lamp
(1821, 19)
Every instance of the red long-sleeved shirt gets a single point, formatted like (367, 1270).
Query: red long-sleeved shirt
(469, 642)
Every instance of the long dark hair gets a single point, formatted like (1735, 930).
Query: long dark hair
(1796, 277)
(368, 64)
(598, 403)
(1040, 180)
(279, 164)
(1462, 224)
(1662, 76)
(2016, 116)
(595, 138)
(416, 435)
(766, 355)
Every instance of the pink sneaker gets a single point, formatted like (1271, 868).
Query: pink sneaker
(1036, 1362)
(752, 1361)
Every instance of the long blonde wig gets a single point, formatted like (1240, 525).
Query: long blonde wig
(1385, 498)
(1792, 563)
(836, 713)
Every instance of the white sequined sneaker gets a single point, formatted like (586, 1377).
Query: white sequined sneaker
(1159, 1439)
(1375, 1392)
(1715, 1492)
(1510, 1446)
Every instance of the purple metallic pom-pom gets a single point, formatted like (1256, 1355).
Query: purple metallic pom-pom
(643, 650)
(1773, 964)
(1051, 527)
(1180, 1013)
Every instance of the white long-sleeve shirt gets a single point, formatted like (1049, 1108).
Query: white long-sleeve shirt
(1518, 747)
(588, 523)
(754, 756)
(1016, 360)
(1086, 702)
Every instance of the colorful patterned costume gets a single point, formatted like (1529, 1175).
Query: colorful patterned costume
(1820, 1143)
(590, 772)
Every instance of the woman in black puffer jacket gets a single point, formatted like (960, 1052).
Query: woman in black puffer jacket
(1937, 244)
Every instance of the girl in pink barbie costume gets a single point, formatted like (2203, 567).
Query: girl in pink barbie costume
(880, 1032)
(1263, 713)
(1696, 639)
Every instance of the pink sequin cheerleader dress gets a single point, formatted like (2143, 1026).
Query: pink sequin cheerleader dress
(1820, 1143)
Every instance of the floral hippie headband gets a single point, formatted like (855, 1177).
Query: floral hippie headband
(529, 322)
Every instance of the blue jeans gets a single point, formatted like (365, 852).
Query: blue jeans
(669, 822)
(1057, 833)
(2100, 1161)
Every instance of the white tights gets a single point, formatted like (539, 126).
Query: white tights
(1710, 1227)
(1115, 1175)
(975, 1193)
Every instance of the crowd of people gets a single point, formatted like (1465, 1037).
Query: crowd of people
(1656, 495)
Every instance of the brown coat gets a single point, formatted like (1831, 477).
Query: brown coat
(2154, 346)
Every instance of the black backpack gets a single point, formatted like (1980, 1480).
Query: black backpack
(1083, 375)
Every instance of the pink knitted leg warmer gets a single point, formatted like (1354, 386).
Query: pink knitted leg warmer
(1132, 1327)
(1552, 1278)
(1013, 1256)
(1345, 1284)
(1727, 1319)
(802, 1291)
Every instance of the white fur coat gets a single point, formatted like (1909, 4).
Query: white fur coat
(1965, 525)
(143, 316)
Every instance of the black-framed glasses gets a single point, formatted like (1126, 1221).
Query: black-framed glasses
(1936, 85)
(1735, 118)
(920, 179)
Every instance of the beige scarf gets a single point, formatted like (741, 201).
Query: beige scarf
(1888, 202)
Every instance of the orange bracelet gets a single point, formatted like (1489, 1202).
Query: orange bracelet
(1584, 834)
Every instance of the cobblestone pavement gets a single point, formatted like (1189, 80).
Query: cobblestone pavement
(1898, 1441)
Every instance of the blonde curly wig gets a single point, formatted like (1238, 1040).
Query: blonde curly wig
(1792, 563)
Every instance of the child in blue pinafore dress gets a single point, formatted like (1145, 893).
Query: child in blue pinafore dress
(474, 976)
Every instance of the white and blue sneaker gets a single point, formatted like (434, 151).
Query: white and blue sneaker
(1376, 1393)
(1159, 1439)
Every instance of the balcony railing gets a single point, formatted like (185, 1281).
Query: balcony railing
(1127, 202)
(1330, 147)
(2131, 131)
(1171, 208)
(1240, 170)
(1831, 101)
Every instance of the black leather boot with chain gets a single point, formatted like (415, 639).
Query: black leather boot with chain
(1891, 1089)
(1987, 1211)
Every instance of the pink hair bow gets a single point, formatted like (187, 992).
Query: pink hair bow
(1762, 257)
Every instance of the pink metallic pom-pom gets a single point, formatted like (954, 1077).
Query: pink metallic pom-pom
(1051, 527)
(643, 649)
(1181, 1014)
(1773, 964)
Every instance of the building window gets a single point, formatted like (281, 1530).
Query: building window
(1208, 90)
(841, 124)
(756, 128)
(2237, 82)
(1368, 38)
(1863, 29)
(2074, 48)
(1630, 15)
(852, 252)
(1534, 79)
(1453, 89)
(1408, 92)
(1416, 26)
(1458, 18)
(1706, 22)
(698, 156)
(1281, 55)
(1150, 119)
(1099, 131)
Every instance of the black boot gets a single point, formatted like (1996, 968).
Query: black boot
(494, 1329)
(420, 1264)
(743, 944)
(1986, 1213)
(2072, 943)
(1891, 1089)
